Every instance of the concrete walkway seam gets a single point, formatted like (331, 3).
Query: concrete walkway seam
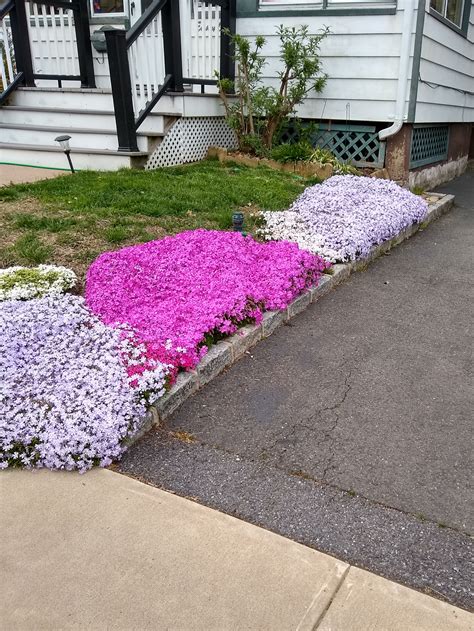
(228, 351)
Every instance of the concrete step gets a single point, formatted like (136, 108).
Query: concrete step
(83, 158)
(185, 104)
(104, 120)
(80, 137)
(65, 98)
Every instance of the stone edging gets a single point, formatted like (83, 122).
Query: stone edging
(228, 351)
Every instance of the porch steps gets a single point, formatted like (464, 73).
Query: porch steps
(80, 136)
(53, 157)
(103, 120)
(34, 117)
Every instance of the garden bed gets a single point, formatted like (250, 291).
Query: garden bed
(160, 320)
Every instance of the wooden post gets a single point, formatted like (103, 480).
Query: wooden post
(21, 42)
(84, 48)
(172, 44)
(121, 89)
(227, 65)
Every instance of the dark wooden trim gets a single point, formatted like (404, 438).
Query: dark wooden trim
(415, 72)
(21, 43)
(60, 4)
(228, 22)
(84, 47)
(5, 8)
(193, 81)
(121, 89)
(57, 77)
(172, 44)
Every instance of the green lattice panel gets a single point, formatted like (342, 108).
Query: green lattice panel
(429, 143)
(356, 144)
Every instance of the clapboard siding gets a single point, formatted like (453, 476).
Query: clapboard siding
(446, 86)
(361, 57)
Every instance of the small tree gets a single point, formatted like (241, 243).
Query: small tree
(260, 110)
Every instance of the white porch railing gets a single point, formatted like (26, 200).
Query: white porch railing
(7, 56)
(52, 40)
(147, 65)
(201, 38)
(54, 47)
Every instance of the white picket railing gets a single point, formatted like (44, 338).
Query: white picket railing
(7, 56)
(52, 39)
(54, 47)
(200, 41)
(201, 37)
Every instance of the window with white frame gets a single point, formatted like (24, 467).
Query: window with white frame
(107, 7)
(452, 10)
(326, 3)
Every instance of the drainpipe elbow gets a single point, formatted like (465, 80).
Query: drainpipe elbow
(390, 131)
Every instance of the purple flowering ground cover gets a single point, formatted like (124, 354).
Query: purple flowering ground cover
(183, 292)
(79, 376)
(66, 394)
(345, 216)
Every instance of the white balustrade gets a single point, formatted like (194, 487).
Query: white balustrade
(54, 47)
(52, 39)
(201, 38)
(7, 56)
(147, 66)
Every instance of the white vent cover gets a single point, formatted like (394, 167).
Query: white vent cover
(189, 139)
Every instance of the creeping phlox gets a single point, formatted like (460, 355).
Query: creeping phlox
(66, 400)
(23, 283)
(345, 216)
(184, 291)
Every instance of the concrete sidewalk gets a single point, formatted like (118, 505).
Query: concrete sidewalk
(15, 174)
(103, 551)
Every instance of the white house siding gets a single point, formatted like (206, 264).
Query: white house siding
(447, 58)
(361, 57)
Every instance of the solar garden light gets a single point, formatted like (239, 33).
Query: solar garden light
(238, 222)
(64, 144)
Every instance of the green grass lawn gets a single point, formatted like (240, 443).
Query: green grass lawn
(70, 220)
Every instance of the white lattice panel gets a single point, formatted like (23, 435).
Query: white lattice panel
(189, 139)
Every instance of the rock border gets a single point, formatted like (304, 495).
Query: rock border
(225, 353)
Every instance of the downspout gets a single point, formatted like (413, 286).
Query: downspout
(404, 70)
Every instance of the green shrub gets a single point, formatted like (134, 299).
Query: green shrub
(324, 156)
(260, 110)
(292, 152)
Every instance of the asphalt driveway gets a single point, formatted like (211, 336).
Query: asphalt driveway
(351, 428)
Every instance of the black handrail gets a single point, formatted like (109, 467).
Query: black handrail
(11, 87)
(118, 42)
(147, 16)
(151, 104)
(5, 8)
